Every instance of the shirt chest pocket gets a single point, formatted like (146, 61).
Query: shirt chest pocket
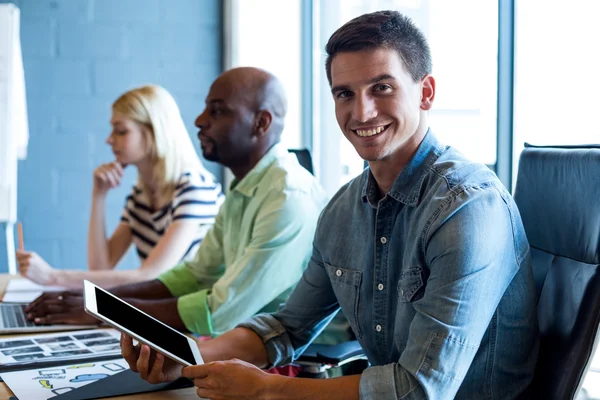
(409, 285)
(346, 285)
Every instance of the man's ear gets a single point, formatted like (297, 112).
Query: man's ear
(262, 123)
(427, 92)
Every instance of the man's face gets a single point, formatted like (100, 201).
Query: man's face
(225, 125)
(378, 106)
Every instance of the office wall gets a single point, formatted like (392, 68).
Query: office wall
(79, 55)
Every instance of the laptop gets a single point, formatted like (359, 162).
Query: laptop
(13, 320)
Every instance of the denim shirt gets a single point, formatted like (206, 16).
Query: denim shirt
(435, 279)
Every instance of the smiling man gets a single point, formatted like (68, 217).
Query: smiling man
(424, 253)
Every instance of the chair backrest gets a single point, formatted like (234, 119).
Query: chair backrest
(304, 158)
(558, 195)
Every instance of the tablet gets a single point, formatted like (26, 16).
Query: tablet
(139, 325)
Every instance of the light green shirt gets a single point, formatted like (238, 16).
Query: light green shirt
(257, 249)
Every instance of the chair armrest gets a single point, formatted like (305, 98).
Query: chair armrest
(338, 354)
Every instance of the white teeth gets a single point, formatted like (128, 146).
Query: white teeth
(369, 132)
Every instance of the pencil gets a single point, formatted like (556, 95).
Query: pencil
(20, 230)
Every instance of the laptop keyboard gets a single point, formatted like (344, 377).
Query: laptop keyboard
(13, 316)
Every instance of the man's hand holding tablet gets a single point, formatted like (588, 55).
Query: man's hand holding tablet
(180, 349)
(162, 369)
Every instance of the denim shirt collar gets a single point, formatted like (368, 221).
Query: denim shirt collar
(406, 188)
(249, 183)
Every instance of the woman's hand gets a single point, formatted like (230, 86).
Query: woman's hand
(35, 268)
(107, 176)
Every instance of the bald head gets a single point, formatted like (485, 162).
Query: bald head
(243, 118)
(257, 89)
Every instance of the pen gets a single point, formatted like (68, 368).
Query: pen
(20, 230)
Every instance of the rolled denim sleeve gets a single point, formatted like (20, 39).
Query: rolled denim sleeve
(274, 336)
(470, 248)
(310, 307)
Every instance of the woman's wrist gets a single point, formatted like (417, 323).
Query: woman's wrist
(98, 193)
(55, 277)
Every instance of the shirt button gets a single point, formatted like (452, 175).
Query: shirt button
(383, 240)
(338, 272)
(380, 286)
(378, 328)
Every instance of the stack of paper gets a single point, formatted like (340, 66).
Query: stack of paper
(25, 291)
(25, 350)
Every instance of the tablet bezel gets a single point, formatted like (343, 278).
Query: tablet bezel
(91, 307)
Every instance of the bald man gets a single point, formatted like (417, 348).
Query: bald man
(262, 238)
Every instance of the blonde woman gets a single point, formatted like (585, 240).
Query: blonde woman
(169, 210)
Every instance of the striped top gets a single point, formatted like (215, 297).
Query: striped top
(197, 197)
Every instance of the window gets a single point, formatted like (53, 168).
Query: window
(464, 51)
(556, 79)
(267, 34)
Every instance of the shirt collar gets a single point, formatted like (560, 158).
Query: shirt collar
(248, 184)
(406, 188)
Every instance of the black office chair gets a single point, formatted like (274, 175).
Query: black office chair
(558, 195)
(304, 158)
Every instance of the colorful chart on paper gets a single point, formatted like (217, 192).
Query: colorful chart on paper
(45, 383)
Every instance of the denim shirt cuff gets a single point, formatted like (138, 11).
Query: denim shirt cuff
(378, 383)
(274, 336)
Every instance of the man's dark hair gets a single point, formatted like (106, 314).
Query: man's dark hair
(382, 29)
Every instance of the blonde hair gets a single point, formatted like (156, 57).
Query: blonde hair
(170, 145)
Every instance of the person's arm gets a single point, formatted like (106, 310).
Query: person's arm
(204, 269)
(152, 289)
(67, 307)
(168, 251)
(103, 253)
(271, 263)
(195, 204)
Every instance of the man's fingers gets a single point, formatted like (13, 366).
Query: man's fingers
(205, 393)
(38, 310)
(37, 313)
(128, 352)
(144, 361)
(58, 308)
(61, 318)
(156, 373)
(39, 300)
(67, 303)
(196, 371)
(43, 298)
